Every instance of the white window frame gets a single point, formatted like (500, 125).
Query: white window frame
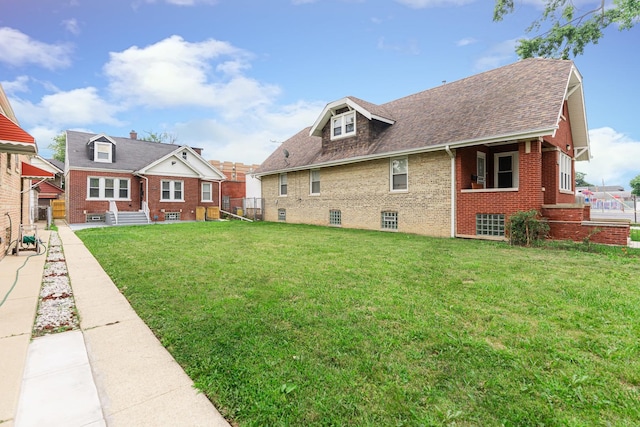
(107, 148)
(282, 184)
(172, 190)
(203, 192)
(314, 178)
(515, 174)
(566, 166)
(341, 122)
(102, 180)
(481, 171)
(392, 174)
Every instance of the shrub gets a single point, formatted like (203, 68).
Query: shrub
(526, 228)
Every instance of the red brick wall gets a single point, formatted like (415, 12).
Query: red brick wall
(76, 195)
(551, 167)
(77, 203)
(191, 194)
(608, 234)
(529, 194)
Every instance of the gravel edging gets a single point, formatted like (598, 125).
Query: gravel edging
(56, 306)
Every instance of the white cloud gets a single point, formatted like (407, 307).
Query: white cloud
(614, 158)
(466, 41)
(409, 47)
(20, 84)
(72, 26)
(248, 140)
(18, 49)
(422, 4)
(62, 110)
(174, 72)
(498, 55)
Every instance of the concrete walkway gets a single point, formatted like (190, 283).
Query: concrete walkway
(112, 372)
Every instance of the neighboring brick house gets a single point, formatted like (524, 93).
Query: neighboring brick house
(16, 145)
(51, 189)
(109, 178)
(456, 160)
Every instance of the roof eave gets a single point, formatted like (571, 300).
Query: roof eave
(518, 136)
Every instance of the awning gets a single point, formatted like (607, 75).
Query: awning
(33, 172)
(14, 139)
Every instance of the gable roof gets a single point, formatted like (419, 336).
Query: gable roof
(517, 101)
(133, 154)
(367, 109)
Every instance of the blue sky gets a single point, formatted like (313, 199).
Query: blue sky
(236, 76)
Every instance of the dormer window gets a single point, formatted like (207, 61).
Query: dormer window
(102, 152)
(343, 125)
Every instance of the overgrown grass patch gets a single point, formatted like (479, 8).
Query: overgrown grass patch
(635, 234)
(283, 324)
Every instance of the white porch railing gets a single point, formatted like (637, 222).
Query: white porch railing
(145, 209)
(114, 208)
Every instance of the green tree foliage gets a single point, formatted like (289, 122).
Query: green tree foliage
(164, 137)
(570, 30)
(580, 181)
(58, 146)
(635, 186)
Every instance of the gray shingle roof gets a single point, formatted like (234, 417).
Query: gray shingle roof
(523, 97)
(131, 154)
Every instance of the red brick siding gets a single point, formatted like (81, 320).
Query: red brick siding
(77, 203)
(529, 194)
(607, 234)
(551, 167)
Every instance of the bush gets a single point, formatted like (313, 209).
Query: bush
(526, 228)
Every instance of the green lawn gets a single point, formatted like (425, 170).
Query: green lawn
(290, 325)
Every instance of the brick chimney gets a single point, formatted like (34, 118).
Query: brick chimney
(133, 134)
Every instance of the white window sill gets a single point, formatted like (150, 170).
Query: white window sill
(398, 191)
(566, 192)
(347, 135)
(101, 199)
(488, 190)
(172, 201)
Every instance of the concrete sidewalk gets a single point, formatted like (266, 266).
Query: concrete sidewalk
(137, 382)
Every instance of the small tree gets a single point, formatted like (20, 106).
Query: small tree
(165, 137)
(58, 146)
(635, 186)
(526, 227)
(580, 181)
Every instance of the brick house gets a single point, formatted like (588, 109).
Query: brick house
(114, 180)
(16, 145)
(453, 161)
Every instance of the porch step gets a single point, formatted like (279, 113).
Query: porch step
(131, 218)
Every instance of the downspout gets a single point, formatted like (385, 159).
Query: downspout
(452, 156)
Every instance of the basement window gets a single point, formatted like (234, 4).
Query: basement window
(335, 217)
(282, 214)
(389, 220)
(490, 224)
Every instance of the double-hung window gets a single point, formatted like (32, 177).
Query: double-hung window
(565, 173)
(206, 195)
(343, 125)
(102, 152)
(108, 188)
(399, 174)
(506, 169)
(315, 181)
(283, 184)
(171, 191)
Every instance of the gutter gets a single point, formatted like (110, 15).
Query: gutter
(452, 156)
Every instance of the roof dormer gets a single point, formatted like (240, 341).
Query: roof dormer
(342, 114)
(102, 149)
